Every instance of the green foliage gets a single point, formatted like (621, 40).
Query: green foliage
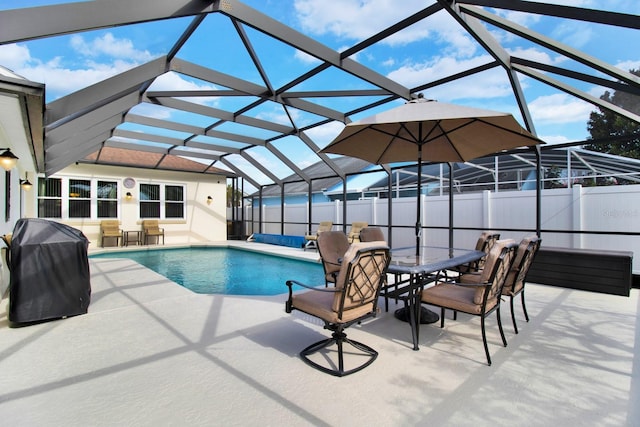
(238, 198)
(604, 124)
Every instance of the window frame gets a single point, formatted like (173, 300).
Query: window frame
(66, 199)
(162, 200)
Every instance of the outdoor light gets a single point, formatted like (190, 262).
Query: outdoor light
(128, 196)
(7, 159)
(209, 200)
(25, 184)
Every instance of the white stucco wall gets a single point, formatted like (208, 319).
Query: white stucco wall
(202, 222)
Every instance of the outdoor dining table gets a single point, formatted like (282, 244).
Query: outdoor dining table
(422, 269)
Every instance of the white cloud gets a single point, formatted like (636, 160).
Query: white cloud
(629, 65)
(360, 19)
(554, 139)
(14, 56)
(489, 84)
(535, 54)
(560, 109)
(353, 19)
(64, 75)
(109, 46)
(305, 58)
(174, 81)
(323, 135)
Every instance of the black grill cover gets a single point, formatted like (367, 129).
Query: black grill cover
(49, 271)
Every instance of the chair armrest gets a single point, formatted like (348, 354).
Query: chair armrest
(290, 283)
(472, 285)
(337, 264)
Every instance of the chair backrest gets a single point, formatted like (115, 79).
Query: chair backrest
(324, 226)
(497, 267)
(354, 232)
(485, 242)
(110, 225)
(361, 275)
(150, 224)
(372, 234)
(527, 250)
(332, 245)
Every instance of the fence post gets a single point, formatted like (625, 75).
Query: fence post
(486, 209)
(576, 215)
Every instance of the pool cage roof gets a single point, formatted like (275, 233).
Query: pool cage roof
(220, 120)
(514, 171)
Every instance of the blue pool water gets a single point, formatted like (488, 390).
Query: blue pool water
(225, 270)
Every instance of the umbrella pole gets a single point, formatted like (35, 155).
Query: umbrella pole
(418, 214)
(450, 205)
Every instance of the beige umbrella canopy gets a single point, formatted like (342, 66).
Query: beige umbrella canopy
(423, 130)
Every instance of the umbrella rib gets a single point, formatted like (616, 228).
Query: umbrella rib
(393, 137)
(473, 120)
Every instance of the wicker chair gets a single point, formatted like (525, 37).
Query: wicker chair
(151, 228)
(110, 229)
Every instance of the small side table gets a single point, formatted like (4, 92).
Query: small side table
(131, 236)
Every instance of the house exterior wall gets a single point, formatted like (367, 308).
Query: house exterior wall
(202, 222)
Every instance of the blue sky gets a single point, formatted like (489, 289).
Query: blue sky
(434, 48)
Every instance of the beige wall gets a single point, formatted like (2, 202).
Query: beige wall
(202, 223)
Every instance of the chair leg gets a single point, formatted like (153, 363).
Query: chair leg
(484, 341)
(513, 314)
(504, 339)
(442, 317)
(524, 307)
(339, 338)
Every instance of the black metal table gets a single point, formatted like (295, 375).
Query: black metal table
(423, 269)
(131, 236)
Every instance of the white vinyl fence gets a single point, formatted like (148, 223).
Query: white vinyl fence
(611, 215)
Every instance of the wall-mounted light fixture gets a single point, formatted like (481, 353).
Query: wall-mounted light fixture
(25, 184)
(128, 196)
(209, 200)
(8, 160)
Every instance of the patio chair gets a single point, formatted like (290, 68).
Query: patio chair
(352, 300)
(484, 243)
(311, 239)
(372, 234)
(514, 284)
(110, 229)
(375, 234)
(151, 228)
(478, 299)
(354, 232)
(332, 245)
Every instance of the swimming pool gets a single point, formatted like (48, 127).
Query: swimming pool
(230, 271)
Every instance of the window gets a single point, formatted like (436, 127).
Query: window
(49, 198)
(77, 198)
(174, 201)
(162, 201)
(107, 199)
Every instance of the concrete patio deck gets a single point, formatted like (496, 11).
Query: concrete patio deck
(151, 353)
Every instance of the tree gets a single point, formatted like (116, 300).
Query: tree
(604, 124)
(238, 198)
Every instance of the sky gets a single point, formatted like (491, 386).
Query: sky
(431, 49)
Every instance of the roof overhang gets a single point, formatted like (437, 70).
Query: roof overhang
(21, 122)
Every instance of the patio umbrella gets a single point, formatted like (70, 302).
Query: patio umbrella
(423, 130)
